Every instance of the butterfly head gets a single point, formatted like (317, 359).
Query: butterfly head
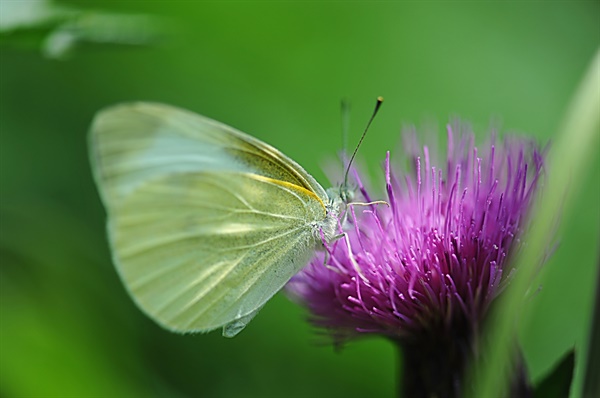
(340, 196)
(346, 194)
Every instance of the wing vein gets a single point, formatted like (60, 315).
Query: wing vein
(203, 293)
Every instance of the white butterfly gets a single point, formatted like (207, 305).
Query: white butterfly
(205, 223)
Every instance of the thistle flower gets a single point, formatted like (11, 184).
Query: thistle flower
(425, 270)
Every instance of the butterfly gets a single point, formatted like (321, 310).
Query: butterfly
(205, 223)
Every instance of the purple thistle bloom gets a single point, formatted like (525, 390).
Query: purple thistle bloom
(425, 270)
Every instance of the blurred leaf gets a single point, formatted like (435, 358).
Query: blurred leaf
(558, 382)
(569, 159)
(100, 28)
(31, 14)
(58, 30)
(592, 381)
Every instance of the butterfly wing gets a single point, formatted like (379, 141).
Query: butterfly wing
(206, 223)
(133, 143)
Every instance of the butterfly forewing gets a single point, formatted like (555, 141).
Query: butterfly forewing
(132, 143)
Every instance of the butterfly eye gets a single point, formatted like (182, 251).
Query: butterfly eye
(346, 195)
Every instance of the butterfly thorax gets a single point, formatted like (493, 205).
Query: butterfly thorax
(335, 208)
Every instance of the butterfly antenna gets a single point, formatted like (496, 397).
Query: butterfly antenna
(345, 112)
(377, 106)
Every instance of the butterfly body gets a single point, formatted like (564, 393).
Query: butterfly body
(205, 222)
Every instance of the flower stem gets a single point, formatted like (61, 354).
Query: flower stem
(435, 365)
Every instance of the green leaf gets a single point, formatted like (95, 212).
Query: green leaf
(568, 161)
(558, 382)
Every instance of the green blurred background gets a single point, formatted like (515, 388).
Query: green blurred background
(276, 70)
